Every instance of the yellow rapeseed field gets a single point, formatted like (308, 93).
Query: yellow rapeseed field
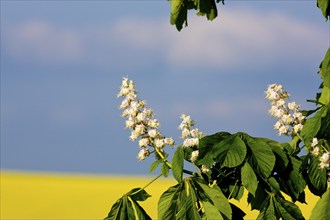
(63, 196)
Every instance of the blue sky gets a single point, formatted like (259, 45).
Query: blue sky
(62, 65)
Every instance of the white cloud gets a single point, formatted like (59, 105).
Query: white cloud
(239, 37)
(41, 42)
(220, 109)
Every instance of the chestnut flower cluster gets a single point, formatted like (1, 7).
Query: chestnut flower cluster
(140, 120)
(322, 153)
(290, 119)
(191, 136)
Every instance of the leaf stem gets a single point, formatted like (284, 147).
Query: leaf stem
(153, 180)
(233, 189)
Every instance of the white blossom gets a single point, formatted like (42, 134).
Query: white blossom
(196, 133)
(293, 106)
(153, 123)
(325, 157)
(316, 151)
(131, 96)
(283, 129)
(204, 169)
(287, 118)
(314, 142)
(298, 116)
(324, 160)
(194, 155)
(144, 142)
(139, 129)
(297, 128)
(169, 141)
(159, 143)
(187, 119)
(124, 104)
(130, 122)
(140, 117)
(190, 142)
(143, 153)
(153, 133)
(134, 135)
(148, 112)
(185, 133)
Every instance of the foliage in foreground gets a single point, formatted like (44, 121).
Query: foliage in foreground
(227, 164)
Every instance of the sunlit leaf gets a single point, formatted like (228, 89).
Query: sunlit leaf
(177, 163)
(321, 209)
(230, 152)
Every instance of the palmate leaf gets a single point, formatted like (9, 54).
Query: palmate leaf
(321, 209)
(230, 152)
(192, 198)
(292, 181)
(276, 207)
(127, 207)
(179, 10)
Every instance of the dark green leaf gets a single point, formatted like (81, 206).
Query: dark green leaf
(274, 186)
(249, 178)
(282, 160)
(257, 200)
(267, 211)
(317, 177)
(287, 210)
(177, 164)
(236, 191)
(209, 8)
(262, 159)
(321, 209)
(230, 152)
(141, 195)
